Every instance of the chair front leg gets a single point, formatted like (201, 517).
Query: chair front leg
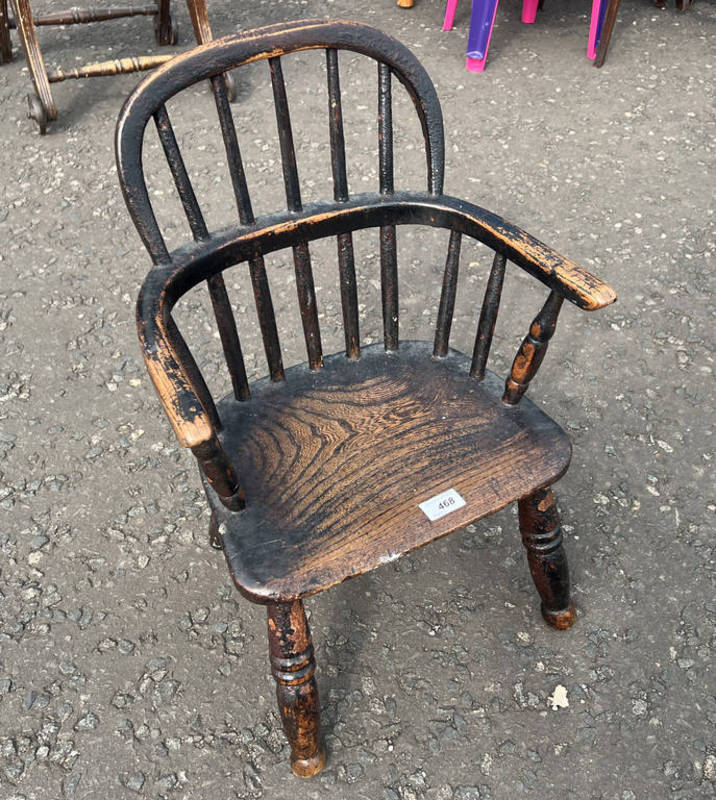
(542, 538)
(293, 668)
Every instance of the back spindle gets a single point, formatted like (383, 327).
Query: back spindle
(533, 349)
(488, 317)
(233, 153)
(301, 256)
(385, 129)
(229, 336)
(179, 173)
(388, 242)
(447, 297)
(346, 261)
(257, 268)
(335, 116)
(217, 290)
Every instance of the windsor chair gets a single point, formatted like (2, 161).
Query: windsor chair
(323, 471)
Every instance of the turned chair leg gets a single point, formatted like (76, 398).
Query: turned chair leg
(542, 538)
(293, 668)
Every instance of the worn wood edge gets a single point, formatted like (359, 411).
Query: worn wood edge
(257, 593)
(177, 395)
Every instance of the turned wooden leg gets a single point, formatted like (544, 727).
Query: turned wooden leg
(214, 535)
(542, 537)
(5, 44)
(406, 3)
(293, 668)
(166, 31)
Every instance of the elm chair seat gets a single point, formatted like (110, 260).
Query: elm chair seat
(324, 470)
(335, 463)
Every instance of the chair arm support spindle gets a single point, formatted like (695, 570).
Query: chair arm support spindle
(220, 473)
(532, 350)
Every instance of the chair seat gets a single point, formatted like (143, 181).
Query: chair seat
(335, 463)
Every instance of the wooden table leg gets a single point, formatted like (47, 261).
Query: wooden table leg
(607, 28)
(42, 107)
(5, 44)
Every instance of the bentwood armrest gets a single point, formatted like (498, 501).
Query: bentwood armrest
(559, 273)
(193, 423)
(182, 391)
(178, 382)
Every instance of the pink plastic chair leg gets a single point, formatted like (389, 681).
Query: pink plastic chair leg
(450, 10)
(529, 10)
(593, 27)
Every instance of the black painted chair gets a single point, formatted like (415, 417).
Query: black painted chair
(325, 470)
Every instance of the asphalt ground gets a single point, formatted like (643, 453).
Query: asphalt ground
(129, 665)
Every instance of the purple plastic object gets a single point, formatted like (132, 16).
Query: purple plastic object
(481, 21)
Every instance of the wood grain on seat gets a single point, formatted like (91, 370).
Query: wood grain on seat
(334, 463)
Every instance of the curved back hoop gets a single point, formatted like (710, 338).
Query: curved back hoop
(211, 60)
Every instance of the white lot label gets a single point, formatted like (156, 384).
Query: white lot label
(442, 504)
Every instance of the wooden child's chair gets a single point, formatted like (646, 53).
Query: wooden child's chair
(325, 470)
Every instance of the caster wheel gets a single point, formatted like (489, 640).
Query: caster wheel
(168, 35)
(36, 111)
(230, 82)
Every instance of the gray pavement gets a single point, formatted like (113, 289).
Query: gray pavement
(130, 667)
